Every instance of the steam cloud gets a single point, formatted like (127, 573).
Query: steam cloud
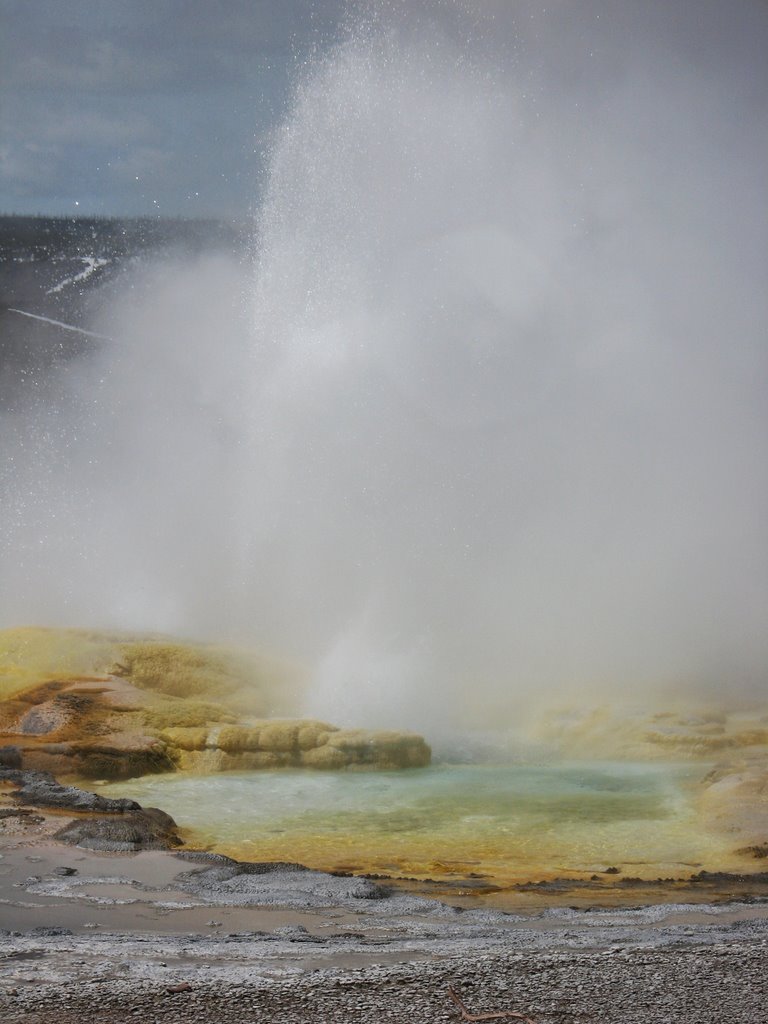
(487, 420)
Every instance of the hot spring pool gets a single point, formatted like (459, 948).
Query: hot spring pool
(507, 822)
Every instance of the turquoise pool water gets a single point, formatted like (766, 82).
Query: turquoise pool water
(506, 822)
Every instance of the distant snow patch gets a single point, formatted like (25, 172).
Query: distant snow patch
(92, 263)
(59, 323)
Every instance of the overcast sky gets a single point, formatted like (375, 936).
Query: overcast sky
(147, 106)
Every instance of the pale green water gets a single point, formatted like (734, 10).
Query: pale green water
(509, 822)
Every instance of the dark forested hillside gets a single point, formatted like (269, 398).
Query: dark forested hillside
(52, 268)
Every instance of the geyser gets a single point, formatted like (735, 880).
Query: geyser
(489, 426)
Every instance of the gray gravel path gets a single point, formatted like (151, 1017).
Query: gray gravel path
(706, 985)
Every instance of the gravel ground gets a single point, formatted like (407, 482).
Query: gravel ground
(615, 986)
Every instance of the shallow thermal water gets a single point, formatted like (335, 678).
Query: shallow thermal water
(507, 822)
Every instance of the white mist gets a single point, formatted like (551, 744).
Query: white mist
(490, 424)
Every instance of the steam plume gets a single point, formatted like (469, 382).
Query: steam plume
(490, 423)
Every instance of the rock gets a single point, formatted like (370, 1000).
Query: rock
(296, 933)
(10, 757)
(326, 757)
(314, 734)
(206, 761)
(759, 851)
(115, 825)
(17, 812)
(281, 737)
(736, 802)
(49, 717)
(148, 714)
(186, 737)
(283, 743)
(205, 857)
(149, 829)
(116, 760)
(234, 739)
(40, 789)
(382, 749)
(269, 884)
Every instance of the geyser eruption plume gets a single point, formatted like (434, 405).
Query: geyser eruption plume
(492, 427)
